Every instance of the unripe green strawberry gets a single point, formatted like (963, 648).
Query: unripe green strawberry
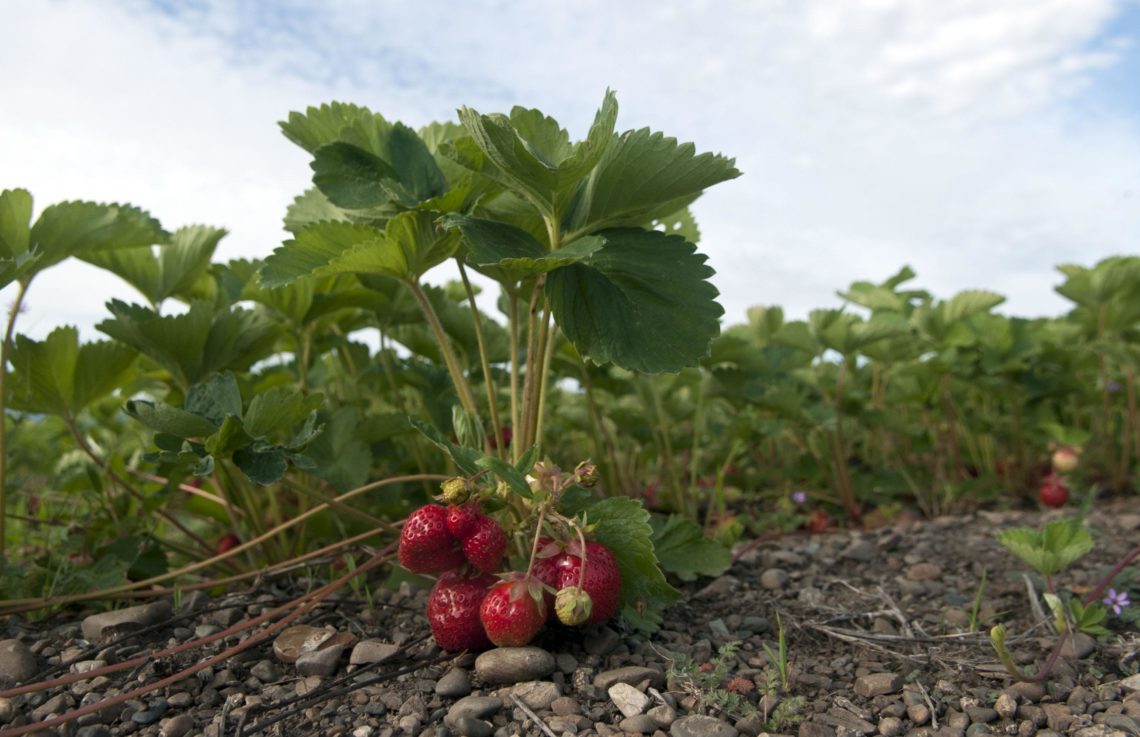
(486, 545)
(572, 606)
(602, 580)
(453, 611)
(426, 545)
(455, 490)
(513, 611)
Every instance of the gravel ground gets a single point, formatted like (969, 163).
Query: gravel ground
(877, 626)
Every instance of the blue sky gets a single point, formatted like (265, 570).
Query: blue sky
(981, 141)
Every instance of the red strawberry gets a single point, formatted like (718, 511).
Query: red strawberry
(426, 545)
(453, 611)
(1053, 492)
(602, 580)
(486, 545)
(513, 611)
(228, 542)
(463, 519)
(818, 521)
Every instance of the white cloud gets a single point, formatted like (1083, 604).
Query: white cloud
(945, 135)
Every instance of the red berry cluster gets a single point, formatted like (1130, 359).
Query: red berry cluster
(469, 608)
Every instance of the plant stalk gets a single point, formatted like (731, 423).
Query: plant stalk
(462, 388)
(488, 382)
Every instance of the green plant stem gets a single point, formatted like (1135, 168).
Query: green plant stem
(547, 343)
(13, 313)
(488, 382)
(533, 366)
(513, 319)
(462, 388)
(127, 486)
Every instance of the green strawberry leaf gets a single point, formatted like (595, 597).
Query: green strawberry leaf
(78, 228)
(59, 376)
(352, 178)
(642, 301)
(645, 175)
(279, 409)
(262, 465)
(215, 398)
(683, 550)
(513, 250)
(172, 271)
(466, 459)
(507, 472)
(622, 525)
(163, 418)
(1048, 551)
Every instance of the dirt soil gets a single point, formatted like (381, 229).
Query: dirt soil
(881, 629)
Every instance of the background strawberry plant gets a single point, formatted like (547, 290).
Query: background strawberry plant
(229, 398)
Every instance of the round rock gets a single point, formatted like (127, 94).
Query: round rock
(17, 664)
(455, 683)
(699, 725)
(514, 664)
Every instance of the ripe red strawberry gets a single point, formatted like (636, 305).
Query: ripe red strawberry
(1053, 492)
(513, 611)
(818, 521)
(602, 580)
(453, 611)
(463, 519)
(228, 542)
(486, 545)
(426, 545)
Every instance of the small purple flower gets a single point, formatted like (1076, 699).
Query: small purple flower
(799, 497)
(1117, 600)
(1114, 387)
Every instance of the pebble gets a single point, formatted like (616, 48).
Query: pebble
(321, 662)
(454, 684)
(890, 726)
(924, 572)
(55, 705)
(919, 714)
(722, 586)
(878, 684)
(566, 706)
(862, 550)
(774, 579)
(631, 674)
(601, 641)
(1078, 645)
(1131, 683)
(699, 725)
(638, 724)
(663, 714)
(981, 714)
(151, 714)
(514, 664)
(815, 729)
(94, 626)
(298, 639)
(538, 695)
(372, 651)
(265, 671)
(629, 701)
(1005, 705)
(1026, 691)
(93, 730)
(178, 726)
(471, 727)
(6, 710)
(475, 707)
(180, 700)
(17, 663)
